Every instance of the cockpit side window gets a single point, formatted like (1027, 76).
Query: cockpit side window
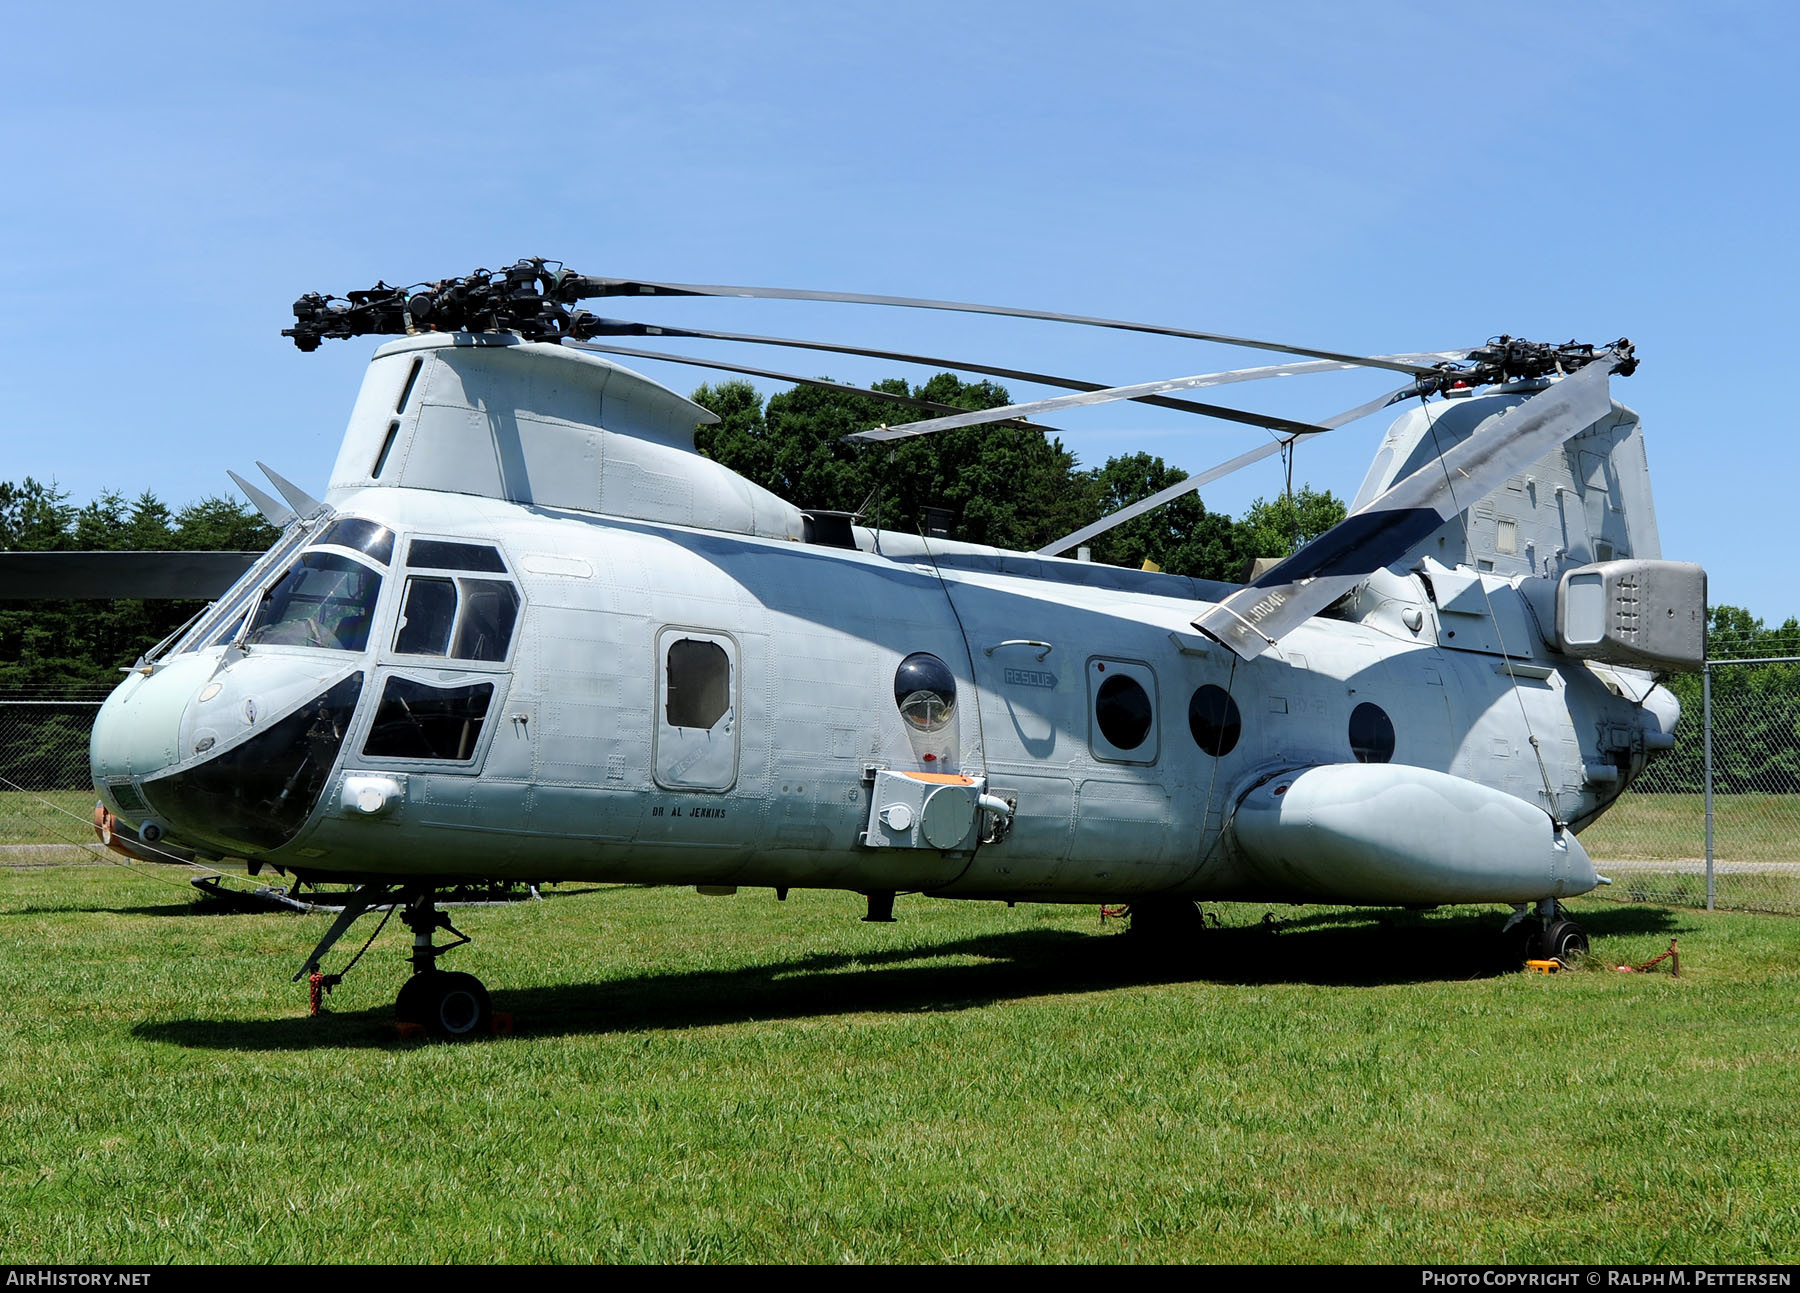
(466, 619)
(324, 600)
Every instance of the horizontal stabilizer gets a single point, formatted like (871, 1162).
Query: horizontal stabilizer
(1252, 619)
(67, 576)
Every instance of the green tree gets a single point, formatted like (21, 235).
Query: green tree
(34, 517)
(1004, 487)
(1180, 538)
(1755, 709)
(1282, 525)
(1009, 488)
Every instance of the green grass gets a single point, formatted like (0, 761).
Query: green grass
(1657, 828)
(735, 1079)
(33, 818)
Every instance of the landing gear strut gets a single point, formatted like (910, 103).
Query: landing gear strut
(447, 1005)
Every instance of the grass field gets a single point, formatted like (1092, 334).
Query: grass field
(722, 1079)
(1659, 828)
(34, 818)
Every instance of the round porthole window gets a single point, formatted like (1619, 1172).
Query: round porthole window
(1214, 720)
(1371, 734)
(925, 691)
(1122, 709)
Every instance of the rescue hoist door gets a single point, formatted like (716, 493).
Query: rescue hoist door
(696, 742)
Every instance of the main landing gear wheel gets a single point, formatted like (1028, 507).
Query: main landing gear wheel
(1165, 926)
(447, 1004)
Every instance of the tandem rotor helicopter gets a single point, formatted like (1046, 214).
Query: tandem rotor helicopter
(529, 634)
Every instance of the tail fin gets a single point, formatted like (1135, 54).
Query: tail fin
(1584, 502)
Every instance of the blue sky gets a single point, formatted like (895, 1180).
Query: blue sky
(1366, 178)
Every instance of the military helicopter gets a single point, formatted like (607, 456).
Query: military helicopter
(529, 634)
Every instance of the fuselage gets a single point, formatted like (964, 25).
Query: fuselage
(478, 688)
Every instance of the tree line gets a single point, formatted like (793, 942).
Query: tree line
(1011, 488)
(1755, 712)
(64, 647)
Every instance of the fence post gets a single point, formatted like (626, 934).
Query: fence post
(1706, 727)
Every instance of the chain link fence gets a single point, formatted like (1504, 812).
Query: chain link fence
(46, 796)
(1715, 822)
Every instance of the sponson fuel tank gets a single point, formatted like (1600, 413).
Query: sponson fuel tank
(1390, 833)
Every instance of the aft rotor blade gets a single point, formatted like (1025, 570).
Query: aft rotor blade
(582, 286)
(1255, 617)
(76, 576)
(1106, 395)
(885, 396)
(1189, 484)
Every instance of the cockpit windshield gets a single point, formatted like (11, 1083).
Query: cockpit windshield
(324, 600)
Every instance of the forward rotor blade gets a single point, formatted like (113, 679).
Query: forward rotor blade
(1191, 483)
(884, 396)
(591, 326)
(581, 286)
(1255, 617)
(627, 328)
(77, 576)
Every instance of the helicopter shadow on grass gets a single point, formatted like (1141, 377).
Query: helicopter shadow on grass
(177, 908)
(1362, 949)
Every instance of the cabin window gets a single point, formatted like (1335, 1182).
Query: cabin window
(1122, 694)
(699, 690)
(1214, 720)
(419, 721)
(925, 691)
(1371, 734)
(1122, 708)
(466, 619)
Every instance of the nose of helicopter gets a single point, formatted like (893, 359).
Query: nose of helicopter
(227, 753)
(138, 730)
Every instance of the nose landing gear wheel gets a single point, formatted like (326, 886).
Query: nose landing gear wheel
(450, 1006)
(1563, 941)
